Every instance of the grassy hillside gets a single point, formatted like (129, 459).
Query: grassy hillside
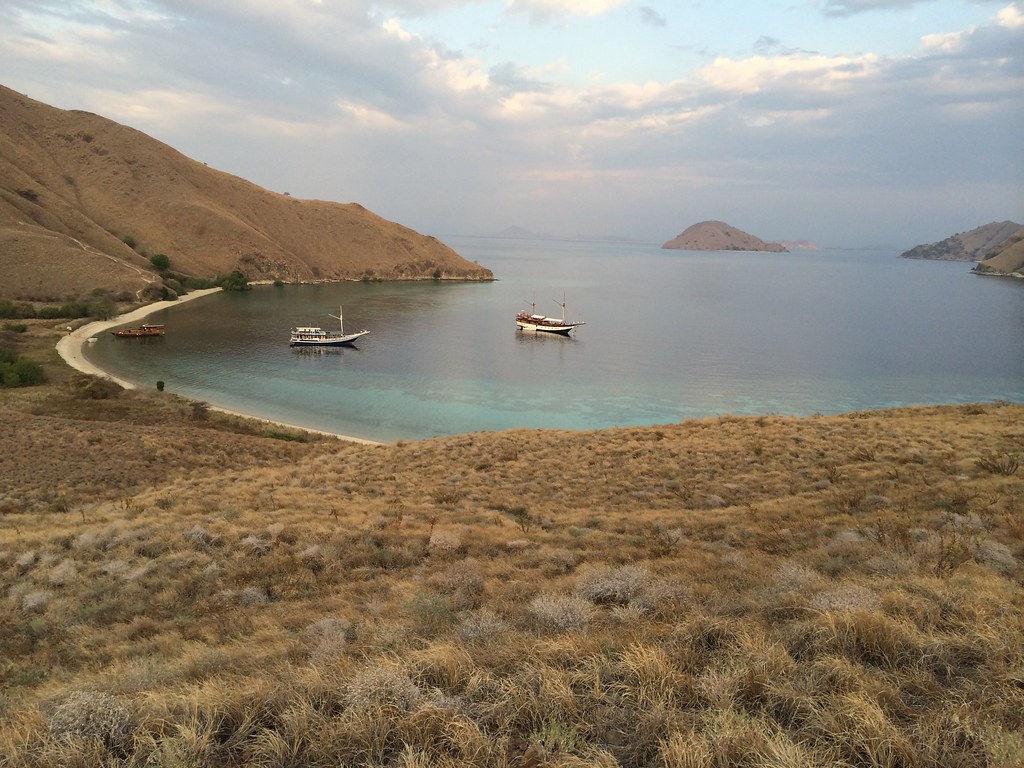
(84, 201)
(186, 589)
(975, 245)
(1007, 259)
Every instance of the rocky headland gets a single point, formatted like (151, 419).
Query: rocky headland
(976, 245)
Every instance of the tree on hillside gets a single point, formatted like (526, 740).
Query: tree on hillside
(236, 281)
(160, 261)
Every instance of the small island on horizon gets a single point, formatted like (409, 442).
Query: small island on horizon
(719, 236)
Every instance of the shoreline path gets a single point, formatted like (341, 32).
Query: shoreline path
(71, 349)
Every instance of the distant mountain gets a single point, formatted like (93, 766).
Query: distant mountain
(84, 201)
(1006, 259)
(521, 233)
(719, 236)
(966, 246)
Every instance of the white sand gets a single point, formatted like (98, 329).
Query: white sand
(71, 348)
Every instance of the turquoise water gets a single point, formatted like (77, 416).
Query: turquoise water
(669, 335)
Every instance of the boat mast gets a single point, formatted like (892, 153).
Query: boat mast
(562, 302)
(338, 317)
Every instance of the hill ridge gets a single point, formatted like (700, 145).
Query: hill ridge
(84, 178)
(974, 245)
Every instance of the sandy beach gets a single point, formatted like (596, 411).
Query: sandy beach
(72, 349)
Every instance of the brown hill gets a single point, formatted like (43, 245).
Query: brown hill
(74, 186)
(1006, 259)
(966, 246)
(719, 236)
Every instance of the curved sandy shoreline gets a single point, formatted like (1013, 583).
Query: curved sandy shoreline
(71, 349)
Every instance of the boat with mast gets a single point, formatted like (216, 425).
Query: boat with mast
(531, 321)
(314, 336)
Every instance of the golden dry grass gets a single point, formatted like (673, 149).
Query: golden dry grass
(841, 590)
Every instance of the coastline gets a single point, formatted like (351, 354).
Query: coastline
(71, 349)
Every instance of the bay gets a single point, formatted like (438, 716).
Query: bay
(669, 335)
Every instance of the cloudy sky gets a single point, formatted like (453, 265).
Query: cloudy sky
(845, 122)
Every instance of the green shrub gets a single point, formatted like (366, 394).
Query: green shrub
(22, 372)
(15, 327)
(102, 308)
(160, 261)
(8, 309)
(236, 281)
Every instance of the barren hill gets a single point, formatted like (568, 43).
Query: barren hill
(74, 186)
(1006, 259)
(719, 236)
(966, 246)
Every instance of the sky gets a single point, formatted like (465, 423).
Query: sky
(849, 123)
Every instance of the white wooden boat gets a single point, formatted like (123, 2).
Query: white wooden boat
(531, 321)
(314, 336)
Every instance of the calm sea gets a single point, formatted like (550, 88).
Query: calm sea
(669, 335)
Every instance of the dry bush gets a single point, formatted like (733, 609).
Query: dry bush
(481, 625)
(92, 715)
(560, 613)
(997, 464)
(384, 687)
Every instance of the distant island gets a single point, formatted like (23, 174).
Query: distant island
(998, 249)
(799, 245)
(719, 236)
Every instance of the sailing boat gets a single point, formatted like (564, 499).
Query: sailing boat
(531, 321)
(312, 336)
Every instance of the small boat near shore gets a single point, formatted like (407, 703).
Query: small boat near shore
(531, 321)
(314, 336)
(144, 330)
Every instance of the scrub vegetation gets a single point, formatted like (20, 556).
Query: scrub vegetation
(763, 591)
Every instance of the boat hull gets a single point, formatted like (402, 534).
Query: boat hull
(347, 340)
(146, 331)
(562, 330)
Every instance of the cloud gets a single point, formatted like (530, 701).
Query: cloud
(541, 11)
(849, 7)
(1011, 17)
(650, 16)
(347, 101)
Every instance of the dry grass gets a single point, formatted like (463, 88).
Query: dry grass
(735, 591)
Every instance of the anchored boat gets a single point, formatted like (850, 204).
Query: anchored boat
(312, 336)
(148, 329)
(531, 321)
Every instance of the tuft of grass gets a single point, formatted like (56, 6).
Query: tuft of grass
(998, 464)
